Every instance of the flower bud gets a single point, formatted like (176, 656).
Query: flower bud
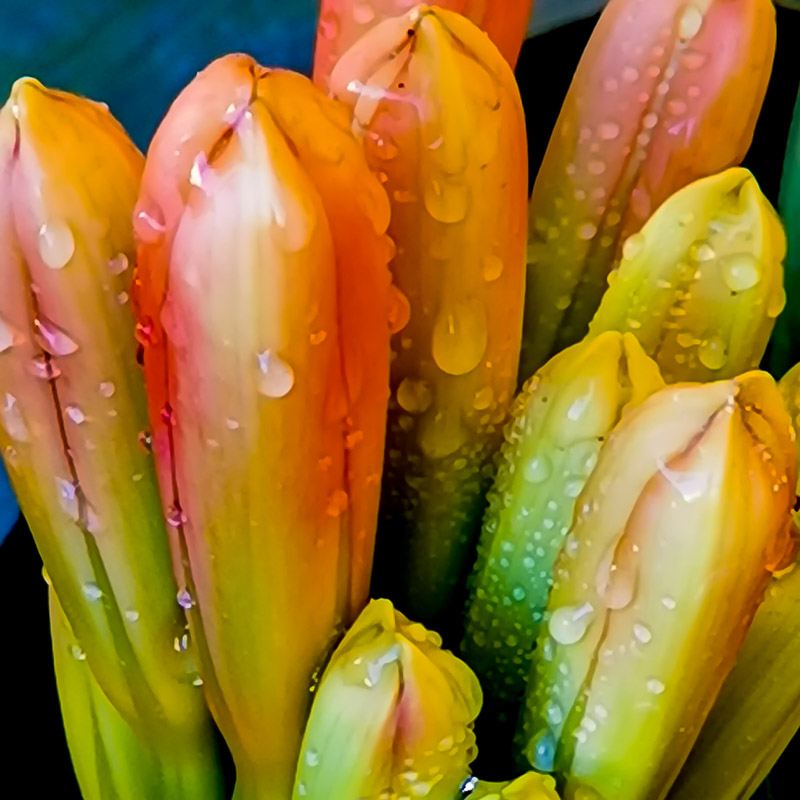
(72, 403)
(679, 528)
(560, 421)
(110, 759)
(343, 22)
(701, 285)
(392, 715)
(442, 124)
(530, 786)
(659, 99)
(263, 298)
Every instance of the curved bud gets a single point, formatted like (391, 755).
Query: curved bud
(680, 527)
(392, 715)
(702, 283)
(263, 298)
(343, 22)
(72, 403)
(560, 421)
(443, 127)
(786, 341)
(659, 99)
(109, 758)
(530, 786)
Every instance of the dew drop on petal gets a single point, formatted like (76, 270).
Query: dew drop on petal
(655, 686)
(399, 310)
(712, 353)
(68, 498)
(568, 624)
(132, 615)
(544, 752)
(77, 653)
(43, 368)
(74, 414)
(446, 201)
(185, 599)
(53, 339)
(460, 337)
(337, 503)
(277, 377)
(118, 264)
(633, 246)
(414, 396)
(312, 757)
(690, 23)
(642, 633)
(492, 268)
(538, 469)
(608, 131)
(12, 419)
(740, 272)
(483, 398)
(107, 389)
(149, 226)
(175, 516)
(56, 244)
(92, 591)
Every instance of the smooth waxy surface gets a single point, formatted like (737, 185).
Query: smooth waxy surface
(702, 284)
(679, 528)
(442, 125)
(342, 23)
(72, 402)
(560, 422)
(665, 93)
(263, 298)
(392, 715)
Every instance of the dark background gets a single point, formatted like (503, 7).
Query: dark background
(136, 56)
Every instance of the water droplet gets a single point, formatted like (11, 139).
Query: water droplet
(175, 516)
(630, 74)
(655, 686)
(668, 603)
(642, 633)
(149, 226)
(74, 414)
(337, 503)
(312, 758)
(201, 174)
(43, 368)
(53, 339)
(690, 23)
(231, 424)
(446, 201)
(414, 396)
(118, 264)
(608, 131)
(740, 272)
(601, 712)
(92, 591)
(198, 681)
(518, 593)
(596, 167)
(692, 485)
(568, 624)
(318, 337)
(704, 252)
(633, 246)
(483, 398)
(445, 744)
(68, 498)
(132, 615)
(399, 310)
(329, 25)
(185, 600)
(544, 751)
(442, 433)
(554, 714)
(563, 302)
(107, 389)
(538, 469)
(492, 268)
(56, 244)
(123, 298)
(460, 337)
(713, 353)
(573, 488)
(301, 789)
(363, 13)
(615, 581)
(145, 440)
(587, 231)
(12, 419)
(77, 653)
(277, 377)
